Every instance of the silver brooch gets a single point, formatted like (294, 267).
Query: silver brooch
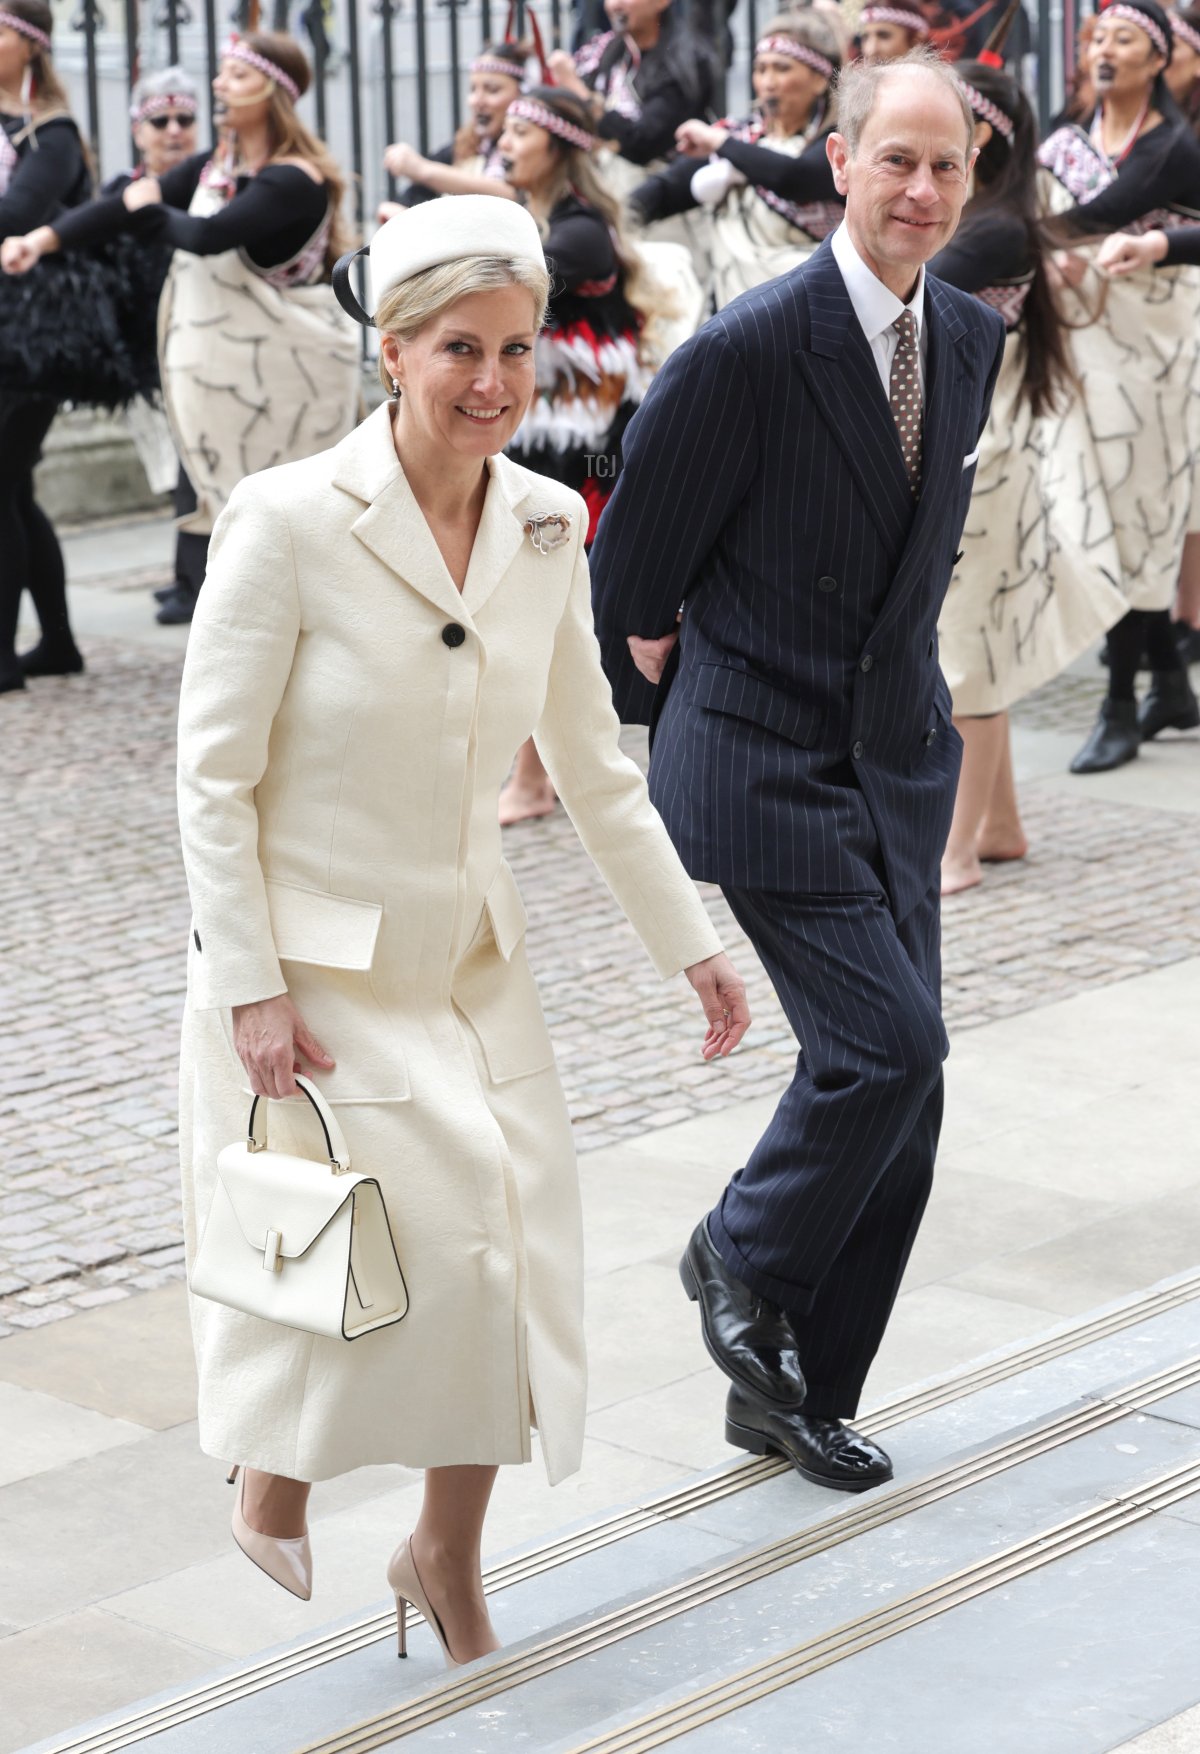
(548, 530)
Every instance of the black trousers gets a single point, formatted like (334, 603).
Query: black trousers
(822, 1218)
(191, 552)
(30, 557)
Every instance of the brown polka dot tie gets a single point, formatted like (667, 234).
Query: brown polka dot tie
(905, 396)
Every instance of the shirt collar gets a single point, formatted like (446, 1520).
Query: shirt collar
(875, 305)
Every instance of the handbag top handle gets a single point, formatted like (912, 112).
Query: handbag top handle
(335, 1143)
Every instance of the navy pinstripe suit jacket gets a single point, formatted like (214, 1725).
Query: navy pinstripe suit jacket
(801, 737)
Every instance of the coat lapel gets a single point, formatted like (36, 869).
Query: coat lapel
(841, 372)
(393, 527)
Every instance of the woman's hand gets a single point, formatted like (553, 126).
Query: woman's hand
(271, 1039)
(1067, 268)
(143, 192)
(19, 254)
(401, 160)
(1122, 254)
(563, 68)
(723, 996)
(698, 139)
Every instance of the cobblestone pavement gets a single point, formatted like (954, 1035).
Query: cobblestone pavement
(93, 923)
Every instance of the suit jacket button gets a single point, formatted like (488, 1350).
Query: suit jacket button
(453, 634)
(868, 663)
(827, 584)
(929, 736)
(931, 648)
(196, 936)
(859, 750)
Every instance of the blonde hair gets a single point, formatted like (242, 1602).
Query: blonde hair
(404, 310)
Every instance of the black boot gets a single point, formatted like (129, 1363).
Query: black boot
(1188, 640)
(178, 608)
(48, 660)
(11, 679)
(1169, 705)
(1114, 740)
(165, 591)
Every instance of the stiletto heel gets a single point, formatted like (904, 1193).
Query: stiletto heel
(232, 1474)
(405, 1585)
(401, 1627)
(287, 1563)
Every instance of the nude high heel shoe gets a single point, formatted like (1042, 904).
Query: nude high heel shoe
(287, 1563)
(406, 1586)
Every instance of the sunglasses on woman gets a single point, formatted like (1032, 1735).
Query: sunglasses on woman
(185, 118)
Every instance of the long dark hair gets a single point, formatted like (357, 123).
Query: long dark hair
(1006, 180)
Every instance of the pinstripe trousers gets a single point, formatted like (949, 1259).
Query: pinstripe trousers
(821, 1219)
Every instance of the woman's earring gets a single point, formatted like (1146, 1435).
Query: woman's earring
(396, 387)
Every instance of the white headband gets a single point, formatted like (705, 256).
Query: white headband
(528, 109)
(796, 52)
(986, 110)
(1135, 15)
(236, 50)
(895, 15)
(496, 64)
(25, 29)
(162, 104)
(1186, 32)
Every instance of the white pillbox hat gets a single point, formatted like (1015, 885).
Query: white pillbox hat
(446, 230)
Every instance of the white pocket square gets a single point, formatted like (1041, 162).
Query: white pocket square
(973, 458)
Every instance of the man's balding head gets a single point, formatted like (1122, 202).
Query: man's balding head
(924, 76)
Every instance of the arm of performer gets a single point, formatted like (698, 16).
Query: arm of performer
(271, 217)
(578, 738)
(97, 221)
(1177, 248)
(982, 253)
(652, 135)
(690, 453)
(41, 179)
(808, 177)
(665, 193)
(1148, 180)
(438, 175)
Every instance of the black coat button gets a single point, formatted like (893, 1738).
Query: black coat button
(454, 635)
(931, 648)
(868, 663)
(827, 584)
(196, 936)
(929, 736)
(858, 751)
(959, 556)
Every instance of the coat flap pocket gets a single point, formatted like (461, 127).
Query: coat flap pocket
(273, 1191)
(506, 911)
(331, 931)
(725, 690)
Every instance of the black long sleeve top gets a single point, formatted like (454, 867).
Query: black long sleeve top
(271, 215)
(50, 174)
(1162, 170)
(990, 247)
(805, 178)
(1183, 247)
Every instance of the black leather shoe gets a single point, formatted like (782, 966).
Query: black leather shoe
(1114, 740)
(176, 609)
(823, 1450)
(10, 680)
(45, 661)
(1188, 640)
(165, 591)
(749, 1339)
(1169, 705)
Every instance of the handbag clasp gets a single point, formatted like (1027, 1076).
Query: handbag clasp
(272, 1253)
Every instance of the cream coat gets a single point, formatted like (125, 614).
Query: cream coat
(340, 765)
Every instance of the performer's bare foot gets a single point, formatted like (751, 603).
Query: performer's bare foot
(521, 803)
(997, 847)
(960, 874)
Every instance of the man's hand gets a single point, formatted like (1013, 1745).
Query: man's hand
(271, 1039)
(650, 655)
(722, 994)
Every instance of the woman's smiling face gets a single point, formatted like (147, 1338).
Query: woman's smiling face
(467, 378)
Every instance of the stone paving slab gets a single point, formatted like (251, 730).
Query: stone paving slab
(93, 923)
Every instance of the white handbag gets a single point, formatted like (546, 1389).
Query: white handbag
(304, 1244)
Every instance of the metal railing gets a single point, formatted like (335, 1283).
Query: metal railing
(386, 70)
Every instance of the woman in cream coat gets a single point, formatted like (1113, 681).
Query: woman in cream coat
(381, 628)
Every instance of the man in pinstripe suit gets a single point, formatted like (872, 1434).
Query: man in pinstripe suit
(797, 480)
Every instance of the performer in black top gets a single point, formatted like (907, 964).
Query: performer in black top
(261, 216)
(639, 80)
(470, 163)
(1137, 167)
(43, 169)
(591, 370)
(1033, 587)
(767, 188)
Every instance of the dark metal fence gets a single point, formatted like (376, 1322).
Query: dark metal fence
(388, 70)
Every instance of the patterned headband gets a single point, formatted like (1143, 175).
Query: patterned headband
(494, 64)
(1135, 15)
(528, 109)
(236, 50)
(1187, 33)
(161, 105)
(895, 15)
(986, 110)
(23, 27)
(796, 52)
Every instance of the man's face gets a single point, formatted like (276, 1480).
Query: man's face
(906, 185)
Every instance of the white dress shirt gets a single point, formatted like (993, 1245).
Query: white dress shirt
(877, 308)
